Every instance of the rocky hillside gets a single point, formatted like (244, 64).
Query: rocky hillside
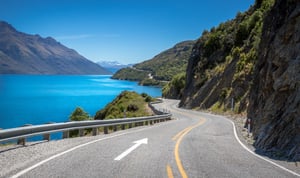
(127, 104)
(254, 61)
(160, 68)
(220, 69)
(275, 94)
(22, 53)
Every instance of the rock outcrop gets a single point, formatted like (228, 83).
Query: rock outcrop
(22, 53)
(220, 67)
(275, 95)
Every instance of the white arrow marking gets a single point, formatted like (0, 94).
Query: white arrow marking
(129, 150)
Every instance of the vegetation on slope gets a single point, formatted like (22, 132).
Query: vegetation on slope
(160, 68)
(127, 104)
(221, 66)
(274, 105)
(174, 88)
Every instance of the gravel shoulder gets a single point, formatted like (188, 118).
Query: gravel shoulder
(14, 158)
(248, 140)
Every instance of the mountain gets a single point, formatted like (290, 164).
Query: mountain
(220, 68)
(275, 94)
(250, 65)
(160, 68)
(22, 53)
(113, 66)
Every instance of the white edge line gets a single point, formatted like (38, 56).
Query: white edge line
(250, 151)
(72, 149)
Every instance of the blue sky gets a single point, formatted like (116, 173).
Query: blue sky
(128, 31)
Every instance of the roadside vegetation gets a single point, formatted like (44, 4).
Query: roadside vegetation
(127, 104)
(79, 115)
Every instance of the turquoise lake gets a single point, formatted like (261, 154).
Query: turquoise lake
(38, 99)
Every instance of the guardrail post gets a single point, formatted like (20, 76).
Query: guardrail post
(66, 134)
(115, 128)
(46, 137)
(130, 126)
(105, 130)
(151, 122)
(123, 127)
(22, 141)
(81, 132)
(95, 131)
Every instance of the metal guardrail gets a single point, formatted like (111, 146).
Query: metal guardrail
(22, 133)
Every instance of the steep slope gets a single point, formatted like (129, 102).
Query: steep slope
(221, 65)
(21, 53)
(275, 94)
(160, 68)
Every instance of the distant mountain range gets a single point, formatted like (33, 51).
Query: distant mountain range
(113, 66)
(22, 53)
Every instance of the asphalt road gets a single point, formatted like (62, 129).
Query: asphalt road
(194, 144)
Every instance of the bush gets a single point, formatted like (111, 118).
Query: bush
(79, 115)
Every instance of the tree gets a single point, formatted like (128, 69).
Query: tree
(79, 115)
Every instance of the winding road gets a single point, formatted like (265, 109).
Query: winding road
(193, 144)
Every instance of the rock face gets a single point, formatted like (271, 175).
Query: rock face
(275, 94)
(221, 64)
(21, 53)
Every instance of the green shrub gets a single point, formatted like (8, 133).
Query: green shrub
(79, 115)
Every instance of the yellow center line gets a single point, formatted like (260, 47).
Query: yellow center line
(176, 151)
(180, 133)
(169, 171)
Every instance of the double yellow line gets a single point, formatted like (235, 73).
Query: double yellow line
(179, 138)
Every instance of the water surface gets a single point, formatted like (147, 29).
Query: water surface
(38, 99)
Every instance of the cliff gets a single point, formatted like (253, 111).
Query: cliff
(220, 67)
(275, 95)
(253, 60)
(22, 53)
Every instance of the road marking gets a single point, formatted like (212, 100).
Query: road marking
(169, 172)
(176, 151)
(250, 151)
(77, 147)
(129, 150)
(180, 133)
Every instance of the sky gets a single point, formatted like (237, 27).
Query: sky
(128, 31)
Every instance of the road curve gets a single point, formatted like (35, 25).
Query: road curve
(194, 144)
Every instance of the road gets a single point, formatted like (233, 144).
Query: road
(194, 144)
